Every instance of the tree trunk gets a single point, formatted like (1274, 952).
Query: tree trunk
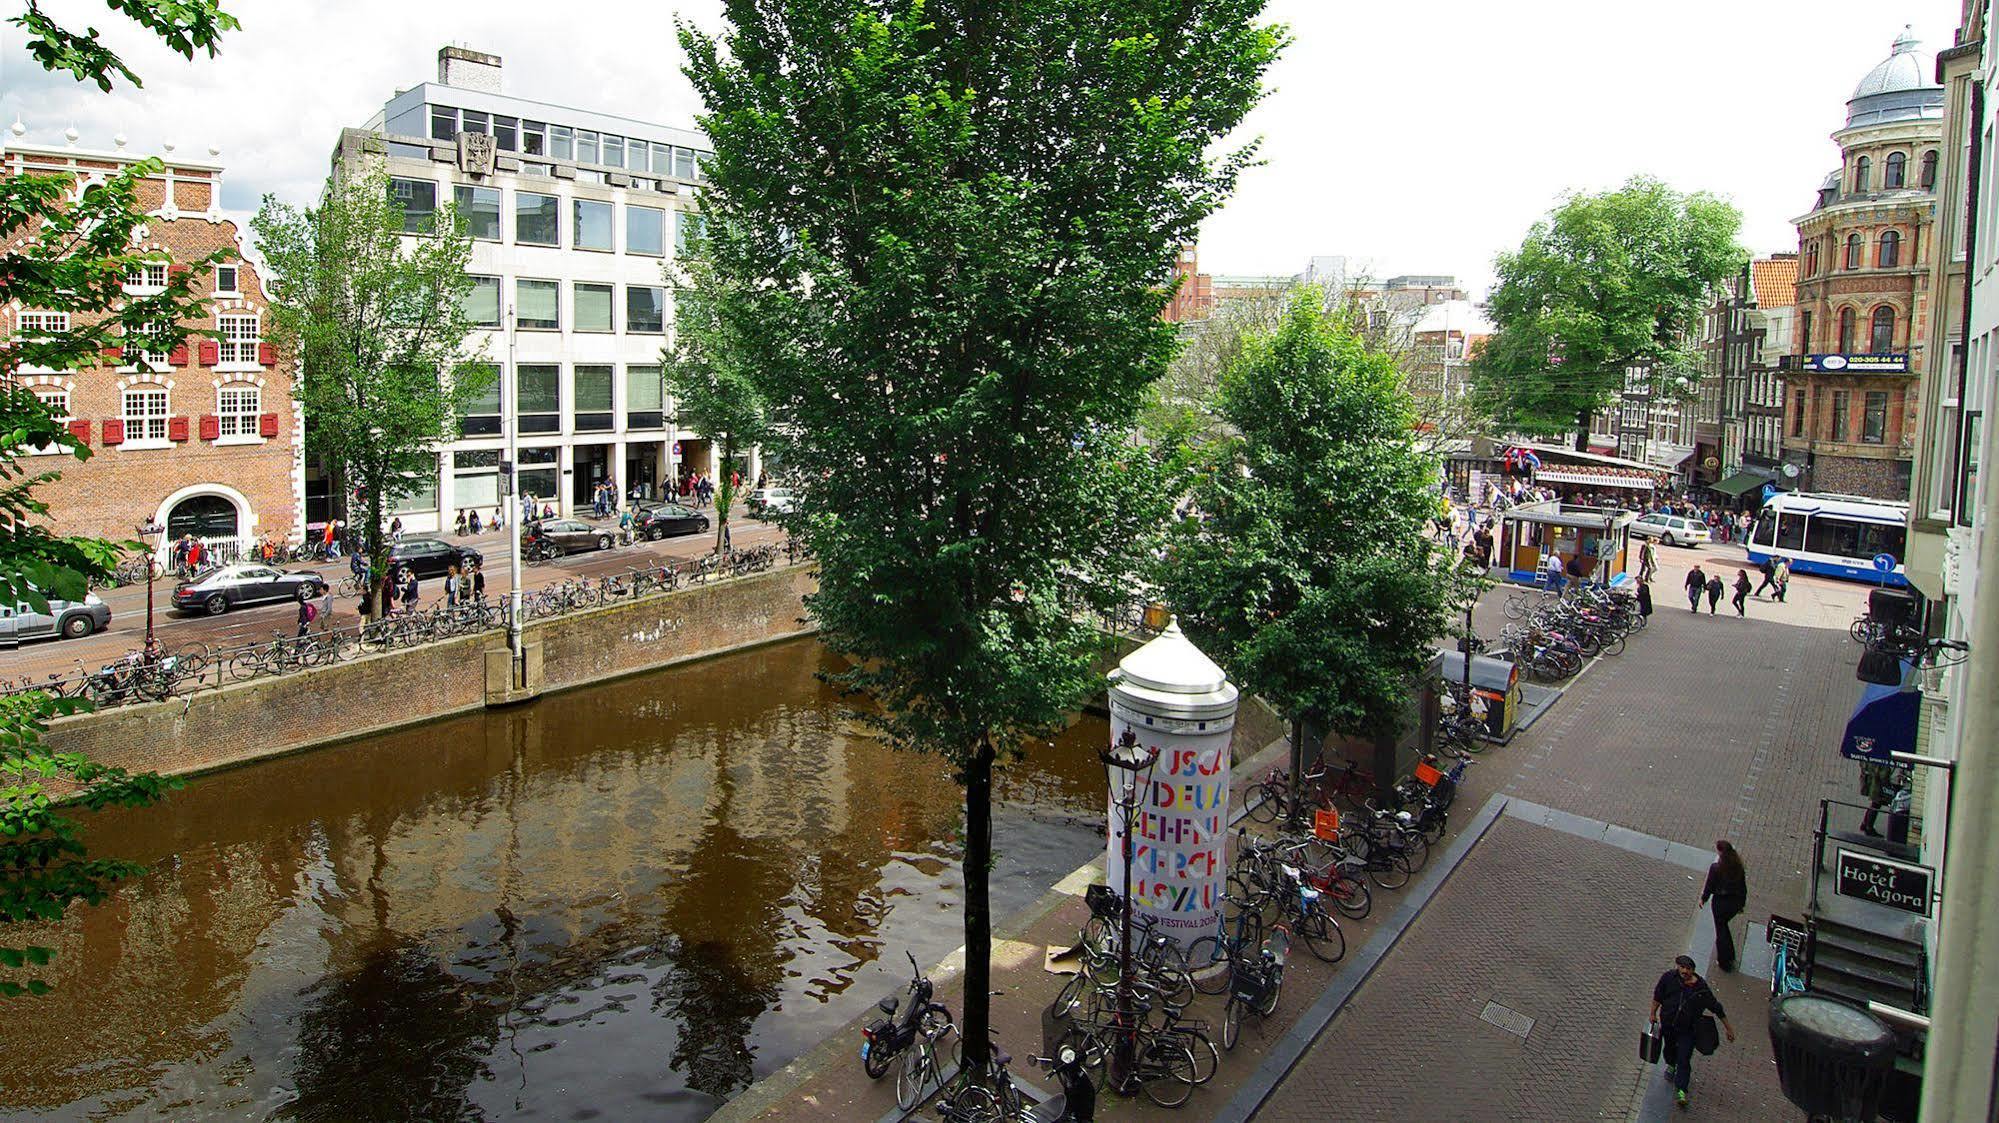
(725, 493)
(1582, 430)
(978, 906)
(378, 561)
(1297, 764)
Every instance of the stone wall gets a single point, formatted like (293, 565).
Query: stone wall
(269, 717)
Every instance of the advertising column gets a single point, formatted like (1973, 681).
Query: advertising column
(1175, 700)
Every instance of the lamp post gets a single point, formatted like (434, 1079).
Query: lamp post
(152, 564)
(1128, 766)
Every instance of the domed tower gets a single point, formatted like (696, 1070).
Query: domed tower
(1864, 252)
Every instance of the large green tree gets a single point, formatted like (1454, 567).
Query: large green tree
(952, 221)
(1607, 284)
(376, 314)
(715, 391)
(69, 253)
(1308, 574)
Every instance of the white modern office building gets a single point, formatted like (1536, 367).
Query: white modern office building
(576, 216)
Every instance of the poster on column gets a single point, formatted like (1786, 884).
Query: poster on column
(1179, 862)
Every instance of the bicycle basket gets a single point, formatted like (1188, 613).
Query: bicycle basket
(1103, 902)
(1246, 983)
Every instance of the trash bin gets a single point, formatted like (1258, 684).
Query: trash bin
(1833, 1058)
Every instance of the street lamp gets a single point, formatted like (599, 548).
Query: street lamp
(1127, 764)
(152, 564)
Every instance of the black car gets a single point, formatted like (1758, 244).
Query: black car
(234, 586)
(428, 557)
(556, 537)
(668, 520)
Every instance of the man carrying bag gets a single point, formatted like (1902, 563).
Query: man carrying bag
(1681, 1007)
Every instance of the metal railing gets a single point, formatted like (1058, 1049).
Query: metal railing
(181, 672)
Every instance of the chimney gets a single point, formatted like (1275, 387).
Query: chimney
(468, 70)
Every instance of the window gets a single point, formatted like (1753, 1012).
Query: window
(645, 309)
(506, 130)
(1861, 172)
(145, 414)
(1929, 172)
(683, 163)
(225, 280)
(614, 150)
(479, 211)
(34, 325)
(443, 122)
(475, 478)
(1853, 251)
(146, 346)
(534, 138)
(537, 305)
(560, 143)
(239, 339)
(1791, 531)
(475, 120)
(236, 410)
(593, 225)
(586, 146)
(538, 397)
(1839, 399)
(593, 399)
(482, 302)
(1805, 332)
(1812, 259)
(662, 159)
(645, 231)
(536, 220)
(1874, 418)
(1895, 173)
(645, 396)
(148, 276)
(1800, 409)
(635, 155)
(1890, 254)
(537, 472)
(1967, 495)
(482, 411)
(688, 226)
(1833, 536)
(592, 310)
(1881, 340)
(56, 401)
(1846, 331)
(418, 199)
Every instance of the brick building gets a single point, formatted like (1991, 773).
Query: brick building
(1863, 288)
(203, 439)
(1194, 298)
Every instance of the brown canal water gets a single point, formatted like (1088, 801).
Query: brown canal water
(624, 902)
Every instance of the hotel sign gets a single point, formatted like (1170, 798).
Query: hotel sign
(1858, 364)
(1898, 885)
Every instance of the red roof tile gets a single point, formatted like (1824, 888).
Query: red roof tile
(1773, 281)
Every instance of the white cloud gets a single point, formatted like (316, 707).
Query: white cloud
(1423, 137)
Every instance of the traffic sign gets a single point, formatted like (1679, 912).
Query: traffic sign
(1884, 563)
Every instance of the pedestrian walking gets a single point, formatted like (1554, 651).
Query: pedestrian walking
(1741, 592)
(451, 586)
(1696, 585)
(1685, 1009)
(1728, 889)
(1644, 598)
(1782, 572)
(1648, 561)
(1878, 783)
(306, 611)
(1769, 581)
(479, 582)
(410, 593)
(1714, 591)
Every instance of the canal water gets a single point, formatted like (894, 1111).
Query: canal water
(624, 902)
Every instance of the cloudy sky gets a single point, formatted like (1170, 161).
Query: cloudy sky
(1420, 138)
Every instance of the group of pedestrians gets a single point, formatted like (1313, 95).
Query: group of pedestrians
(697, 488)
(472, 523)
(1685, 1011)
(1776, 577)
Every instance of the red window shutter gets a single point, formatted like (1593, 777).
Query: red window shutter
(267, 355)
(113, 352)
(211, 427)
(178, 356)
(176, 428)
(176, 270)
(211, 352)
(267, 424)
(114, 430)
(80, 430)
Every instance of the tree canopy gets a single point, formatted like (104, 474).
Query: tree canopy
(1605, 285)
(184, 26)
(951, 223)
(714, 392)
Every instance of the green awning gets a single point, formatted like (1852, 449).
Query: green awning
(1735, 485)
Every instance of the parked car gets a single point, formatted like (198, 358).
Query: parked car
(667, 520)
(428, 557)
(234, 586)
(68, 619)
(1673, 530)
(767, 501)
(556, 537)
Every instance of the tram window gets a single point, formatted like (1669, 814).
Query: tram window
(1882, 538)
(1833, 536)
(1766, 530)
(1791, 532)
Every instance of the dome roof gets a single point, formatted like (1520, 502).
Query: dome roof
(1901, 87)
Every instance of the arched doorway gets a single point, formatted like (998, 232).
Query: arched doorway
(204, 516)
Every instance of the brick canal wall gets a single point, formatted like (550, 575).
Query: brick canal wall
(269, 717)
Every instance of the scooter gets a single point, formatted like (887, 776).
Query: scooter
(1078, 1101)
(886, 1037)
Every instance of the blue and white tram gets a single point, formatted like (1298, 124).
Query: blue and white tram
(1836, 535)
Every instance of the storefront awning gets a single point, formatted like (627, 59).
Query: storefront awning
(1595, 478)
(1734, 486)
(1884, 722)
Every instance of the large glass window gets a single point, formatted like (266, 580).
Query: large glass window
(561, 142)
(1881, 339)
(662, 159)
(1832, 536)
(1846, 331)
(538, 472)
(1839, 400)
(593, 307)
(418, 199)
(482, 302)
(645, 309)
(1874, 417)
(593, 225)
(478, 211)
(537, 305)
(538, 397)
(683, 163)
(1800, 410)
(635, 155)
(593, 399)
(586, 146)
(475, 478)
(482, 412)
(1929, 173)
(1895, 173)
(475, 120)
(1862, 172)
(505, 132)
(1890, 254)
(645, 398)
(534, 138)
(239, 339)
(614, 150)
(1791, 531)
(1853, 251)
(645, 231)
(443, 122)
(145, 414)
(537, 220)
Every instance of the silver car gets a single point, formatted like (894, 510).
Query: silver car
(68, 619)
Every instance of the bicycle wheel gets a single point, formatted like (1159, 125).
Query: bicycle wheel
(972, 1104)
(1231, 1022)
(1415, 847)
(1322, 936)
(1208, 959)
(246, 664)
(1614, 645)
(1176, 986)
(1207, 1058)
(1264, 808)
(1166, 1071)
(917, 1071)
(1350, 896)
(1388, 870)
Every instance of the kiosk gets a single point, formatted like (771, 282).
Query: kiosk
(1599, 536)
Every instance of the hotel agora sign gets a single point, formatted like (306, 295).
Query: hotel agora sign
(1858, 364)
(1884, 881)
